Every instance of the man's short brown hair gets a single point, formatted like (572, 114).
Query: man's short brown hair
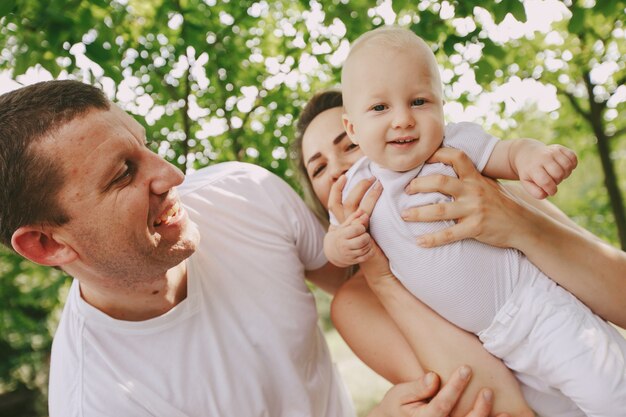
(30, 180)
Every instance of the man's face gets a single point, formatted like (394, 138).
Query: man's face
(126, 225)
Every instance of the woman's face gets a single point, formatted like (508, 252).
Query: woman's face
(327, 152)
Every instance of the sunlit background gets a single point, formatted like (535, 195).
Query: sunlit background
(225, 80)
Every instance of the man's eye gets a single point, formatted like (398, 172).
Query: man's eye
(127, 173)
(379, 107)
(418, 102)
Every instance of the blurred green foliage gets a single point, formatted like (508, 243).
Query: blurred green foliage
(219, 80)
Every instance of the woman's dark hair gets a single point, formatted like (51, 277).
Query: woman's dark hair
(319, 103)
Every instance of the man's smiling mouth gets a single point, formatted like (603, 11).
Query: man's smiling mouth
(168, 215)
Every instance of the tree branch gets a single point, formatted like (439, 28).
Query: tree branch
(618, 133)
(574, 103)
(595, 107)
(170, 88)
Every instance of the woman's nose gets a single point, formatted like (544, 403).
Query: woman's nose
(338, 170)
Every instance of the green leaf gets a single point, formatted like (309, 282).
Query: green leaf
(22, 63)
(97, 53)
(499, 12)
(516, 8)
(577, 21)
(7, 6)
(399, 5)
(493, 50)
(483, 71)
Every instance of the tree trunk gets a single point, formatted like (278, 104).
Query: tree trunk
(604, 150)
(18, 403)
(612, 186)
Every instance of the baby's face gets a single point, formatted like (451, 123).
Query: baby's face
(393, 103)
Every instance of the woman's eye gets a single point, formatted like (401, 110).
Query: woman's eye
(318, 170)
(418, 102)
(352, 146)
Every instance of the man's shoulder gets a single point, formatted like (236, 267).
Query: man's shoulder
(229, 172)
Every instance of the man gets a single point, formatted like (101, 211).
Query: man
(160, 322)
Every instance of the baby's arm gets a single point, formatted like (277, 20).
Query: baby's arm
(348, 243)
(539, 167)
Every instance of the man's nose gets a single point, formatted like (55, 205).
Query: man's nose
(165, 176)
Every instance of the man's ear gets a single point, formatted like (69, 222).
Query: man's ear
(349, 128)
(39, 246)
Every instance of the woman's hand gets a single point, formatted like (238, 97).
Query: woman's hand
(483, 208)
(422, 398)
(587, 267)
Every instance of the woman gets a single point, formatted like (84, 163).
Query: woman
(485, 212)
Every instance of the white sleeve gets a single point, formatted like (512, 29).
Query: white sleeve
(237, 186)
(307, 232)
(471, 139)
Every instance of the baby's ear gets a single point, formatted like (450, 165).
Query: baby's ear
(38, 245)
(349, 128)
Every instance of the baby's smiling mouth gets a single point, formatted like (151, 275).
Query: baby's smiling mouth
(168, 215)
(402, 141)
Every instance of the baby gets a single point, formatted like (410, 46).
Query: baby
(568, 361)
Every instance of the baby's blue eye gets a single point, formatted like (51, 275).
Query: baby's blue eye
(418, 102)
(379, 107)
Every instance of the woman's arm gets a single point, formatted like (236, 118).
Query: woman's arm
(378, 340)
(389, 329)
(577, 260)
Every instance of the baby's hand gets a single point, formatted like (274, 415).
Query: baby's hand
(541, 170)
(349, 243)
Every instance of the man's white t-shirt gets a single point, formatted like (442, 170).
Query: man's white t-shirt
(245, 341)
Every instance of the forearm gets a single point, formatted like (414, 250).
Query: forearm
(502, 163)
(442, 347)
(577, 260)
(372, 335)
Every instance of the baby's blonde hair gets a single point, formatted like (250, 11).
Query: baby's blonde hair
(392, 37)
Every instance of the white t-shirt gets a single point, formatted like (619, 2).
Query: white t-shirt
(467, 281)
(245, 341)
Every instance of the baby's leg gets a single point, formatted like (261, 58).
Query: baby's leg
(586, 359)
(560, 346)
